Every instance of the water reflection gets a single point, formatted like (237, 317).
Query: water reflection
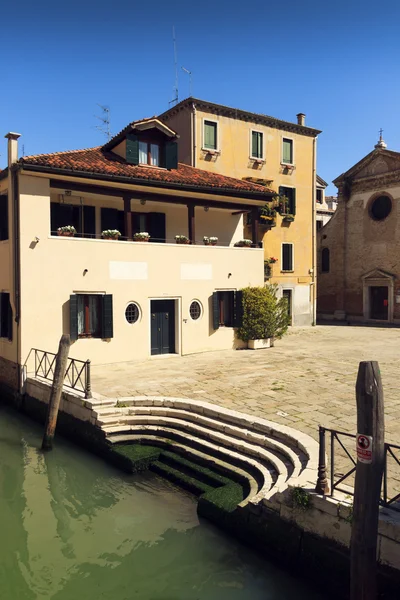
(74, 527)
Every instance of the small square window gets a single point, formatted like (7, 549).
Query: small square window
(287, 151)
(257, 144)
(210, 135)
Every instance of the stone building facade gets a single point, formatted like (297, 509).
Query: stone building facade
(359, 249)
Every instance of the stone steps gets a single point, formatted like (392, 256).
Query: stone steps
(267, 456)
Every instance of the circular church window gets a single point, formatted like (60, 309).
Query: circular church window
(381, 208)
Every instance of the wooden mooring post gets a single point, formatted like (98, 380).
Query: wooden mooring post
(368, 482)
(56, 391)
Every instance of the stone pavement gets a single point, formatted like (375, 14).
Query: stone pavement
(307, 379)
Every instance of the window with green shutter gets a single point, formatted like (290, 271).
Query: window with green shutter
(290, 194)
(91, 316)
(256, 144)
(287, 151)
(210, 135)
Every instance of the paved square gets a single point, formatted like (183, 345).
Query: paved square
(307, 379)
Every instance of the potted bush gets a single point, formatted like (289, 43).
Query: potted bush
(182, 239)
(110, 234)
(206, 240)
(142, 236)
(66, 231)
(264, 317)
(267, 215)
(213, 241)
(244, 244)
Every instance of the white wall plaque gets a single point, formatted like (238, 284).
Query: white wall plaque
(196, 271)
(128, 270)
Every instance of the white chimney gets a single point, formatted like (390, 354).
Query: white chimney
(12, 147)
(301, 119)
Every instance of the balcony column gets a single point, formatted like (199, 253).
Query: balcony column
(191, 223)
(254, 225)
(128, 217)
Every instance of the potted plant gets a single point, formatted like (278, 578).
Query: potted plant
(271, 260)
(66, 231)
(244, 244)
(267, 215)
(182, 239)
(206, 240)
(283, 205)
(264, 317)
(268, 266)
(110, 234)
(142, 236)
(213, 241)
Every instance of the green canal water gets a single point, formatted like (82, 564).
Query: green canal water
(72, 527)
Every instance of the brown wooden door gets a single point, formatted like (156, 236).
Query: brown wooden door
(379, 303)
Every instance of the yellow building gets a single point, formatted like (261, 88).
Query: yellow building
(274, 153)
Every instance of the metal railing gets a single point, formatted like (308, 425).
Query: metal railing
(77, 375)
(388, 499)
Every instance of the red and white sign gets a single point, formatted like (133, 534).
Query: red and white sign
(364, 448)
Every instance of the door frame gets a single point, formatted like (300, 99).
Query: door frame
(378, 278)
(178, 329)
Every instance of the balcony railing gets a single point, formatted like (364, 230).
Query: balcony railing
(77, 375)
(197, 242)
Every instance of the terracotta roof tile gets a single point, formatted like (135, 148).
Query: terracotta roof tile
(98, 161)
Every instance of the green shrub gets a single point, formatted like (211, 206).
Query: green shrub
(264, 315)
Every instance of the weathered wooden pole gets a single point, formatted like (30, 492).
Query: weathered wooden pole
(56, 391)
(367, 488)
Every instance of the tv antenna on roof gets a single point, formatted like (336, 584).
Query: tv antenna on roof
(176, 69)
(190, 79)
(105, 120)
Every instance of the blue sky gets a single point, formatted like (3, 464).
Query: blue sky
(338, 62)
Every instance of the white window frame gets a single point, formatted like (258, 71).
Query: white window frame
(256, 158)
(292, 270)
(217, 150)
(291, 164)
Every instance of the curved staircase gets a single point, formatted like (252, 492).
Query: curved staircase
(263, 456)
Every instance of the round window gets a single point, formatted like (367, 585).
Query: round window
(195, 310)
(381, 208)
(132, 313)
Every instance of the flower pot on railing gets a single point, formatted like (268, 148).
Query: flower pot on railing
(142, 236)
(244, 244)
(66, 231)
(210, 241)
(110, 234)
(182, 239)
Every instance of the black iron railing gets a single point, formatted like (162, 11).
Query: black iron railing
(77, 375)
(388, 499)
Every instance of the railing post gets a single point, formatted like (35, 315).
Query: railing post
(88, 386)
(322, 486)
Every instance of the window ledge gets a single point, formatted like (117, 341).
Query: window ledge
(211, 151)
(152, 166)
(287, 271)
(288, 165)
(260, 161)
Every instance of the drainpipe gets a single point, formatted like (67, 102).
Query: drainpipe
(314, 242)
(194, 146)
(13, 222)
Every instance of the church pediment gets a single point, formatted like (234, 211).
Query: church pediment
(378, 274)
(377, 163)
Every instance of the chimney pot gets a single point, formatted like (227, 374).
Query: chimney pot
(301, 119)
(12, 147)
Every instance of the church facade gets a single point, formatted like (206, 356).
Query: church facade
(359, 249)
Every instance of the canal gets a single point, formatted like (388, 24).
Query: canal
(74, 527)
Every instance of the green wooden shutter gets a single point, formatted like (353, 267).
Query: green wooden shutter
(292, 204)
(73, 317)
(132, 149)
(215, 310)
(157, 227)
(171, 155)
(238, 311)
(287, 151)
(107, 316)
(210, 135)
